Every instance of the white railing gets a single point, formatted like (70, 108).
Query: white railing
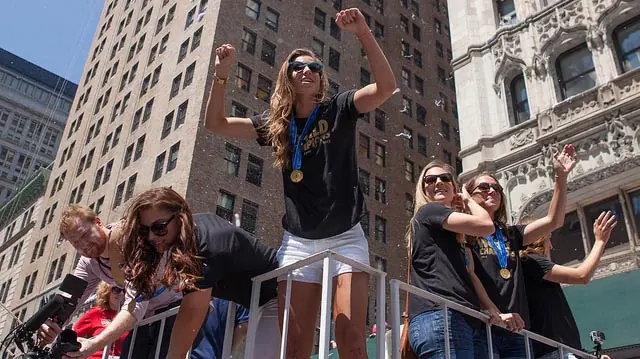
(397, 285)
(328, 257)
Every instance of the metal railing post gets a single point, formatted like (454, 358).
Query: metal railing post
(325, 310)
(381, 320)
(395, 319)
(229, 330)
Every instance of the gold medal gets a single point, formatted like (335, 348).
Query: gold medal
(296, 176)
(505, 273)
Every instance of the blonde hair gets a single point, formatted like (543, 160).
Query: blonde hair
(421, 198)
(73, 212)
(103, 296)
(281, 107)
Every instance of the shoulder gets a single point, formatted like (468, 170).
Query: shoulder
(433, 210)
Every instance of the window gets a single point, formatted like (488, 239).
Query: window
(379, 5)
(409, 174)
(442, 77)
(406, 77)
(226, 202)
(408, 204)
(107, 172)
(444, 129)
(159, 167)
(404, 24)
(263, 91)
(163, 43)
(117, 199)
(175, 86)
(576, 72)
(406, 49)
(337, 4)
(98, 178)
(378, 30)
(456, 136)
(182, 114)
(271, 19)
(238, 109)
(437, 26)
(334, 30)
(252, 9)
(364, 146)
(254, 170)
(243, 78)
(380, 190)
(363, 180)
(173, 157)
(188, 75)
(446, 157)
(627, 39)
(268, 54)
(249, 217)
(156, 76)
(421, 114)
(381, 231)
(127, 156)
(380, 155)
(166, 127)
(319, 18)
(334, 88)
(190, 17)
(131, 186)
(417, 58)
(248, 41)
(196, 39)
(317, 47)
(618, 239)
(506, 12)
(184, 48)
(407, 138)
(635, 206)
(520, 100)
(380, 119)
(232, 159)
(365, 77)
(407, 106)
(139, 148)
(334, 59)
(439, 49)
(416, 32)
(419, 85)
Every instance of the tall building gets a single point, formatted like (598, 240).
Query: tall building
(533, 76)
(137, 121)
(34, 106)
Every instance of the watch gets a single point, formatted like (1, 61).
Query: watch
(219, 80)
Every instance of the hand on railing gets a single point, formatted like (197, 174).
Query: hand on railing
(513, 321)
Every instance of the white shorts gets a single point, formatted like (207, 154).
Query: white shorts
(351, 244)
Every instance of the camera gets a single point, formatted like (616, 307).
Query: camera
(597, 337)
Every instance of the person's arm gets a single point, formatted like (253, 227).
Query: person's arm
(602, 228)
(373, 95)
(240, 331)
(563, 163)
(215, 118)
(191, 315)
(478, 223)
(120, 324)
(485, 302)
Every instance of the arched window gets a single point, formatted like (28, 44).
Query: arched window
(520, 100)
(575, 70)
(627, 38)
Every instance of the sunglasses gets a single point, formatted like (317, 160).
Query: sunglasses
(314, 67)
(116, 290)
(444, 177)
(159, 228)
(485, 187)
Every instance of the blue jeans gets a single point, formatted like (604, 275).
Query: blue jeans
(426, 335)
(506, 345)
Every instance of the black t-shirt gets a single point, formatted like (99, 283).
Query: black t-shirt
(548, 308)
(328, 201)
(231, 258)
(508, 295)
(438, 262)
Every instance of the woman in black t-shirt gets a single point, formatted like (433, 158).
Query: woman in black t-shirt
(497, 256)
(548, 307)
(441, 264)
(313, 138)
(166, 247)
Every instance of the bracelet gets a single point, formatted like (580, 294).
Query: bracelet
(219, 80)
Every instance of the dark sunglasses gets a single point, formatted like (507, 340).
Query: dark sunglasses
(159, 228)
(444, 177)
(116, 290)
(314, 67)
(485, 187)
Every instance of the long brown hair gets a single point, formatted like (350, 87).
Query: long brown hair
(500, 217)
(281, 106)
(537, 247)
(140, 257)
(421, 198)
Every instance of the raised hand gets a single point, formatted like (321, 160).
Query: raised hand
(565, 161)
(352, 20)
(225, 58)
(604, 224)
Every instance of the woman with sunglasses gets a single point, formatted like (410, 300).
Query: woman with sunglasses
(313, 138)
(96, 319)
(548, 307)
(201, 255)
(497, 256)
(441, 263)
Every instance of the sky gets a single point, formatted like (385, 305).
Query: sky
(57, 38)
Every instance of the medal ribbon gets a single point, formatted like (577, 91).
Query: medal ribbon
(500, 249)
(296, 144)
(157, 293)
